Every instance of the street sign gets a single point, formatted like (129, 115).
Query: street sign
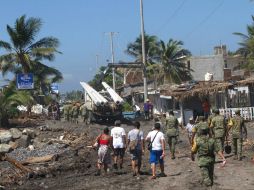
(54, 88)
(25, 81)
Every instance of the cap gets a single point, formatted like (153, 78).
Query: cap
(191, 119)
(117, 122)
(237, 112)
(147, 100)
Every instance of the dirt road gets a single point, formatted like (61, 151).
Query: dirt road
(77, 172)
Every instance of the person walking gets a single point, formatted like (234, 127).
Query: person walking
(201, 125)
(157, 152)
(218, 128)
(205, 147)
(83, 112)
(146, 109)
(172, 131)
(189, 127)
(239, 131)
(119, 144)
(136, 146)
(104, 142)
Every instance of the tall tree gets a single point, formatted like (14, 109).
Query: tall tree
(23, 50)
(247, 44)
(134, 49)
(172, 59)
(24, 54)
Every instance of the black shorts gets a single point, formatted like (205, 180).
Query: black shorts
(119, 152)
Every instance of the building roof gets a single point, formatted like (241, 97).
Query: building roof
(200, 88)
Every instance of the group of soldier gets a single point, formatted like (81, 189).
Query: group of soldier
(207, 139)
(71, 112)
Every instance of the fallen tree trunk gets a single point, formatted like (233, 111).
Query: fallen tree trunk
(32, 160)
(17, 164)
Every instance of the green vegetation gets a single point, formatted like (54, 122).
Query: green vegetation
(247, 45)
(26, 55)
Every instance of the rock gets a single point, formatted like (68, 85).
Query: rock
(5, 148)
(38, 144)
(5, 136)
(23, 141)
(13, 145)
(15, 133)
(29, 132)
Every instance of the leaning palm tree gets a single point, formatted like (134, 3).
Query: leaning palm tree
(172, 58)
(23, 50)
(247, 44)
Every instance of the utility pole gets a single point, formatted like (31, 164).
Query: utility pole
(143, 50)
(111, 34)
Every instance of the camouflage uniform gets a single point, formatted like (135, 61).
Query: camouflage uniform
(83, 111)
(66, 111)
(237, 125)
(75, 112)
(172, 132)
(218, 127)
(205, 148)
(202, 125)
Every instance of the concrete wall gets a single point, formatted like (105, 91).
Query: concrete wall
(202, 64)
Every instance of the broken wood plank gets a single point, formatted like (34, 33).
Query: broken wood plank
(32, 160)
(17, 164)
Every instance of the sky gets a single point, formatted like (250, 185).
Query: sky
(82, 27)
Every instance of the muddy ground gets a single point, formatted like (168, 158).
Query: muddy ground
(76, 168)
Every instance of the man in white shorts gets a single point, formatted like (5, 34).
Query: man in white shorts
(119, 144)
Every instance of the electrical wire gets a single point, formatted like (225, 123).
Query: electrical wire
(171, 16)
(205, 19)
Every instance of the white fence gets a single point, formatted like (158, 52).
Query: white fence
(246, 112)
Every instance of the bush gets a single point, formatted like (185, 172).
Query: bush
(127, 107)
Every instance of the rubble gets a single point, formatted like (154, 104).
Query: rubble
(4, 148)
(5, 136)
(16, 133)
(23, 141)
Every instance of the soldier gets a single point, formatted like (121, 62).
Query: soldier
(218, 127)
(66, 111)
(202, 124)
(237, 125)
(205, 147)
(83, 111)
(172, 132)
(75, 112)
(209, 120)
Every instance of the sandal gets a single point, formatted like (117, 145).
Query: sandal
(153, 177)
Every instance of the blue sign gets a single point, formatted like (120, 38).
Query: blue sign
(54, 88)
(25, 81)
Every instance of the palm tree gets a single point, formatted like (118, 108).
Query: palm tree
(135, 50)
(151, 49)
(247, 45)
(172, 58)
(23, 50)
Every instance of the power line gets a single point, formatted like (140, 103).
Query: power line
(205, 19)
(172, 16)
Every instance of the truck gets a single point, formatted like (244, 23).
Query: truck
(105, 106)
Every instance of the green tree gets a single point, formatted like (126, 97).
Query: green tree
(247, 45)
(172, 62)
(105, 75)
(134, 49)
(10, 98)
(23, 50)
